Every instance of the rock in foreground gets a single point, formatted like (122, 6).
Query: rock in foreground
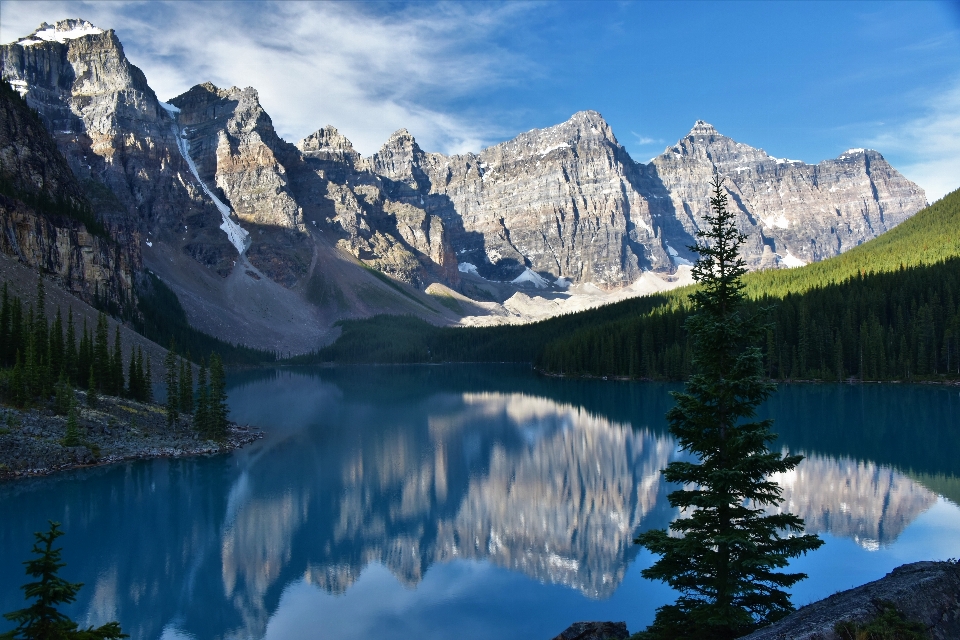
(925, 592)
(595, 631)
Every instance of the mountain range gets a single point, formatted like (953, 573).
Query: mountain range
(271, 243)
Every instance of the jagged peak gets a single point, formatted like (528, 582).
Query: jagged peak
(401, 134)
(61, 31)
(703, 128)
(327, 139)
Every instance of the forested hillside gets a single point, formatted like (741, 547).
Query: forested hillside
(889, 309)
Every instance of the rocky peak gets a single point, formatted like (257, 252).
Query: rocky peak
(400, 159)
(329, 144)
(702, 128)
(69, 29)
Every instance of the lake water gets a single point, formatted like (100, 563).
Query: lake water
(463, 501)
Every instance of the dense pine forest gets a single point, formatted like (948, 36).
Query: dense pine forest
(42, 361)
(40, 358)
(888, 309)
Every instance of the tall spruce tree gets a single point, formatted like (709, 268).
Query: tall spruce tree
(70, 348)
(201, 415)
(42, 620)
(723, 553)
(173, 386)
(217, 399)
(186, 385)
(101, 354)
(148, 381)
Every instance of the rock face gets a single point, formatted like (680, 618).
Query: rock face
(43, 209)
(925, 592)
(208, 178)
(569, 201)
(791, 212)
(115, 135)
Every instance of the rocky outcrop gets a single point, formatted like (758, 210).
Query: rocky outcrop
(569, 201)
(595, 631)
(116, 136)
(44, 215)
(792, 213)
(924, 592)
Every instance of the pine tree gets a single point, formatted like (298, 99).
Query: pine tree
(6, 355)
(148, 381)
(116, 364)
(133, 390)
(72, 436)
(173, 385)
(84, 356)
(70, 348)
(92, 388)
(41, 620)
(101, 354)
(186, 385)
(18, 393)
(55, 360)
(722, 556)
(201, 414)
(63, 396)
(217, 400)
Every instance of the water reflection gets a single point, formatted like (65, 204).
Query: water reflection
(409, 469)
(863, 501)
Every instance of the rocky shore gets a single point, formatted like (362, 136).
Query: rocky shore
(925, 595)
(31, 441)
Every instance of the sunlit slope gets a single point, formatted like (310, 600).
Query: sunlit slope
(929, 237)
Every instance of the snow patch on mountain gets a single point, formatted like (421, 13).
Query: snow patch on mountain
(60, 32)
(466, 267)
(533, 278)
(792, 261)
(238, 236)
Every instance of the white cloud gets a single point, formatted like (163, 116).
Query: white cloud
(366, 69)
(929, 146)
(643, 140)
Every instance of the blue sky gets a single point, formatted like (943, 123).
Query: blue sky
(803, 80)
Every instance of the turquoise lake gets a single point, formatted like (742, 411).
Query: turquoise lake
(462, 501)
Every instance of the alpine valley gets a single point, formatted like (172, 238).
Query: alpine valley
(270, 243)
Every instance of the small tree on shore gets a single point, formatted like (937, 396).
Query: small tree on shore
(42, 620)
(723, 553)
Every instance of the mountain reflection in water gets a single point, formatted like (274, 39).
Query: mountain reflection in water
(407, 467)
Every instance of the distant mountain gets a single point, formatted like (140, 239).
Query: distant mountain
(270, 243)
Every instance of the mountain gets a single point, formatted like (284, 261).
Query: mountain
(271, 243)
(46, 219)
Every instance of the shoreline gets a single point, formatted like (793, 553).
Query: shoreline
(115, 430)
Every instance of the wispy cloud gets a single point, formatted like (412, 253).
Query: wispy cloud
(643, 141)
(366, 69)
(929, 145)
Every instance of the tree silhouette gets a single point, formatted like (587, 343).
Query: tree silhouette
(723, 553)
(42, 620)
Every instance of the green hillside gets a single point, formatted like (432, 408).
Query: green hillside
(930, 237)
(887, 309)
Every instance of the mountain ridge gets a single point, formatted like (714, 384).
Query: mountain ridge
(555, 219)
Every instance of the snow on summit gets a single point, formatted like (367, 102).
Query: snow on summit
(64, 30)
